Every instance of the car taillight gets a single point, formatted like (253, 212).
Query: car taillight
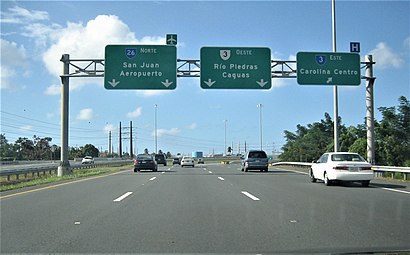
(341, 168)
(135, 162)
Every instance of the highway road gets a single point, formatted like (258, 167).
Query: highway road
(206, 209)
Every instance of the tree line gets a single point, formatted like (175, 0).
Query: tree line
(40, 148)
(306, 144)
(392, 138)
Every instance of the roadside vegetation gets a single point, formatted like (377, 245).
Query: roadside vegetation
(35, 180)
(392, 138)
(307, 143)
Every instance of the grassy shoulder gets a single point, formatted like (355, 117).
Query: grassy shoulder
(45, 179)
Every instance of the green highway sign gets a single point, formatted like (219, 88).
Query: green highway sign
(140, 67)
(328, 68)
(235, 68)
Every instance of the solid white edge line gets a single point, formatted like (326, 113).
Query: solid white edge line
(250, 196)
(395, 190)
(153, 178)
(220, 178)
(122, 197)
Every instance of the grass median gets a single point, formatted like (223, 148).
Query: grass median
(51, 178)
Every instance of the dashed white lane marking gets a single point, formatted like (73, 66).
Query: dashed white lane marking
(210, 172)
(153, 178)
(122, 197)
(250, 195)
(220, 178)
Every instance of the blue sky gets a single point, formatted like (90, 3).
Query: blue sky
(34, 35)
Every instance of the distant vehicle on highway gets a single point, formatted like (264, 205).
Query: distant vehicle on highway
(87, 160)
(176, 161)
(160, 158)
(341, 166)
(254, 160)
(145, 162)
(187, 161)
(201, 161)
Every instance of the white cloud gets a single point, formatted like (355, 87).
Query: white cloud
(192, 126)
(162, 132)
(385, 57)
(53, 90)
(109, 127)
(26, 128)
(135, 114)
(12, 54)
(85, 114)
(151, 93)
(19, 15)
(87, 42)
(13, 63)
(407, 43)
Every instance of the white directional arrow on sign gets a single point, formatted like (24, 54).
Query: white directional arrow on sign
(209, 82)
(114, 83)
(262, 82)
(329, 80)
(166, 83)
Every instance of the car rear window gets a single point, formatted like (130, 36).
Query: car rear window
(347, 157)
(257, 154)
(146, 157)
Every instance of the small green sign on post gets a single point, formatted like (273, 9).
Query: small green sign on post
(328, 68)
(235, 68)
(140, 67)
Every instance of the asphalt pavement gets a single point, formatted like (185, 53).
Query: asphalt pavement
(207, 209)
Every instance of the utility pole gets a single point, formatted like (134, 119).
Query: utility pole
(109, 143)
(156, 135)
(370, 109)
(335, 92)
(131, 151)
(120, 150)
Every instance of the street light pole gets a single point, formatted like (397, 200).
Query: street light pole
(260, 121)
(156, 135)
(225, 139)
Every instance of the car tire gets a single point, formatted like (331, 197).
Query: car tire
(246, 169)
(326, 180)
(266, 169)
(312, 177)
(365, 183)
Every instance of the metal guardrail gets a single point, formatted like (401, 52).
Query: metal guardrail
(52, 168)
(378, 170)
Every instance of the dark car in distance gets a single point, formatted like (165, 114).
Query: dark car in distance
(160, 158)
(145, 162)
(176, 161)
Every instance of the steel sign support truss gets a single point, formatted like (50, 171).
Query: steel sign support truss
(185, 68)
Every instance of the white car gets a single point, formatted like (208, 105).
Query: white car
(187, 161)
(87, 160)
(341, 166)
